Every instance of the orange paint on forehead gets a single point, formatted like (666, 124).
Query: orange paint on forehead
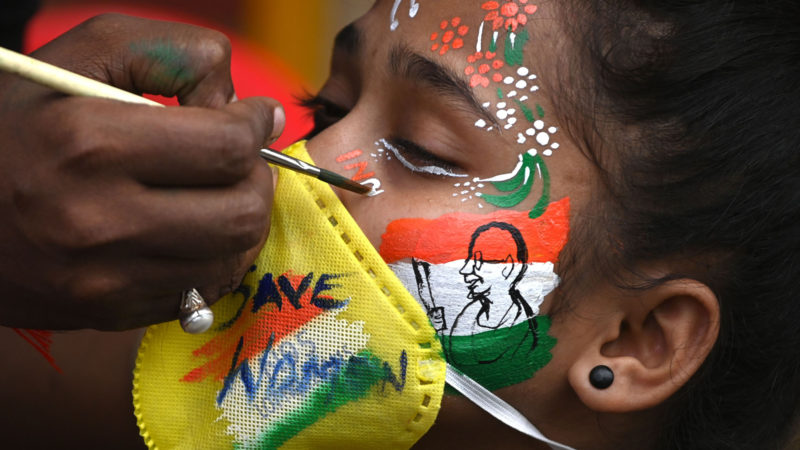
(446, 238)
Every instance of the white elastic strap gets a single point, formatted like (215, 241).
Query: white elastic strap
(495, 406)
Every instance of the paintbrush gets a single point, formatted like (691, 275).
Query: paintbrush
(71, 83)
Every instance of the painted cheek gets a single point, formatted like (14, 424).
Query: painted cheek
(471, 306)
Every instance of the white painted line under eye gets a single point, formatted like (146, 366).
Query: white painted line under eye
(433, 170)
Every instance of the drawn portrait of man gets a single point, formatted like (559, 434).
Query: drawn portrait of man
(495, 265)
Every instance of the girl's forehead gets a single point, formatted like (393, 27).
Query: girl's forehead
(487, 42)
(416, 22)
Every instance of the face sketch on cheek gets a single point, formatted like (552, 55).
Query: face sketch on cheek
(482, 278)
(483, 274)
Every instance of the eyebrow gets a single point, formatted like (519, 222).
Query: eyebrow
(348, 39)
(405, 63)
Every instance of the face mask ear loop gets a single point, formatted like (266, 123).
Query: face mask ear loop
(495, 406)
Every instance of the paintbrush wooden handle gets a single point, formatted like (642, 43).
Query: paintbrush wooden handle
(63, 80)
(71, 83)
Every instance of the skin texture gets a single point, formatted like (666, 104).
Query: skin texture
(630, 332)
(653, 339)
(111, 210)
(417, 112)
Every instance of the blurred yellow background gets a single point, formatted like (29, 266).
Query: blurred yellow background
(300, 32)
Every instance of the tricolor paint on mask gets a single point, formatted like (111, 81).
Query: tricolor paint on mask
(320, 347)
(481, 278)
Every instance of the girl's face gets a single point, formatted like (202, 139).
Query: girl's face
(450, 109)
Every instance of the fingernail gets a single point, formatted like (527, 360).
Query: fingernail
(233, 98)
(278, 122)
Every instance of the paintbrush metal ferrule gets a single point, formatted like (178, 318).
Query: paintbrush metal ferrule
(71, 83)
(287, 162)
(279, 159)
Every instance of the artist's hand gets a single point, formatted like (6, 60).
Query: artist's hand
(109, 210)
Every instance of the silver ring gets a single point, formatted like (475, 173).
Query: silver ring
(194, 314)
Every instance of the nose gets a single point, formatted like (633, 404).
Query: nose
(468, 268)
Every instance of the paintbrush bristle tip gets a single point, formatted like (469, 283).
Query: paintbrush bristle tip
(342, 182)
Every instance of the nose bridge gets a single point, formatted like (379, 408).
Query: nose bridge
(468, 267)
(345, 148)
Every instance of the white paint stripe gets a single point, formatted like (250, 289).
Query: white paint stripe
(413, 9)
(434, 170)
(450, 291)
(394, 23)
(480, 38)
(505, 176)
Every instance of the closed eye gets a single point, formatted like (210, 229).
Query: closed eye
(418, 159)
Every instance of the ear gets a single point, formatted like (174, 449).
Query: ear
(653, 341)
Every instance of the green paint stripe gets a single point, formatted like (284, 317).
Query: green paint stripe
(515, 53)
(520, 190)
(544, 200)
(499, 93)
(519, 362)
(518, 186)
(512, 199)
(526, 111)
(362, 371)
(516, 181)
(540, 111)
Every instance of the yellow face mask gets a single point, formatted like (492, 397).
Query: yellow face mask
(321, 346)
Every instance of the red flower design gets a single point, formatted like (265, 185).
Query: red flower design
(450, 38)
(509, 14)
(480, 66)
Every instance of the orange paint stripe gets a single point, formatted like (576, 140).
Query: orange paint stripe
(40, 340)
(349, 155)
(447, 237)
(256, 330)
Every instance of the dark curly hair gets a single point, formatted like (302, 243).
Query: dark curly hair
(694, 113)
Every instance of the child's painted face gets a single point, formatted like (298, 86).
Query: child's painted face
(450, 110)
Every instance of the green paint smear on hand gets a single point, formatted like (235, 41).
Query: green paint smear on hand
(519, 187)
(360, 374)
(499, 93)
(170, 63)
(540, 111)
(519, 362)
(514, 52)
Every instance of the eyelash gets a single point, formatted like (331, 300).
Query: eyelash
(420, 156)
(326, 113)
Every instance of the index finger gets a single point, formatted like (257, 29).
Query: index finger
(177, 146)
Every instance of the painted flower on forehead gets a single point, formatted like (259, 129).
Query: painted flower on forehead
(450, 37)
(508, 14)
(481, 66)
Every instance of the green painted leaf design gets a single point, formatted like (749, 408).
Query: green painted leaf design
(514, 50)
(520, 185)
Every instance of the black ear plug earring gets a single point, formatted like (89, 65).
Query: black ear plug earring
(601, 377)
